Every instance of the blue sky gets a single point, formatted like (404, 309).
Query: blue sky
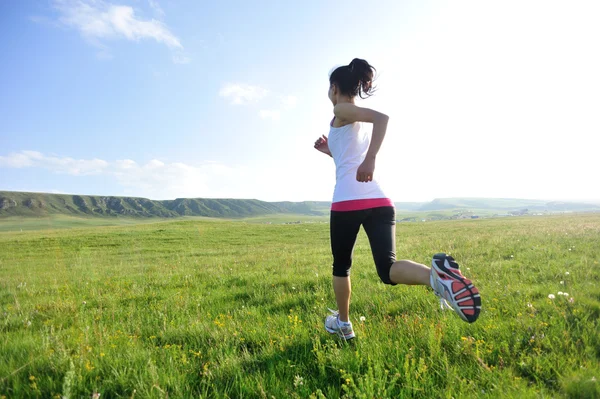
(166, 99)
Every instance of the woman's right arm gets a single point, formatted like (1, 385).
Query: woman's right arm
(322, 145)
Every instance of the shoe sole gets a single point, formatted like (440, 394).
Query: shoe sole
(465, 294)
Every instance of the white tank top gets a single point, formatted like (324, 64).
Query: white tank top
(348, 146)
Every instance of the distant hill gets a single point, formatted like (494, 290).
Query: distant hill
(501, 204)
(479, 203)
(41, 204)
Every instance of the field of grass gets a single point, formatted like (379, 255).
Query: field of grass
(53, 222)
(16, 224)
(287, 218)
(19, 223)
(235, 310)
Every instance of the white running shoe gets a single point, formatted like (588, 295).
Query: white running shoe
(333, 325)
(454, 289)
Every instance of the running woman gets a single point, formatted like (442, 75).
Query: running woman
(359, 200)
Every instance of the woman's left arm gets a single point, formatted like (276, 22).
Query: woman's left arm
(351, 113)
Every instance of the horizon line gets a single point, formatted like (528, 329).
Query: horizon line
(592, 201)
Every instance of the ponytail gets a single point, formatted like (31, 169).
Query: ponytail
(354, 79)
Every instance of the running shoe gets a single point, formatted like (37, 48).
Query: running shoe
(454, 289)
(333, 325)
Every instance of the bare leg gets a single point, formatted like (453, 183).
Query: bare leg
(409, 273)
(343, 290)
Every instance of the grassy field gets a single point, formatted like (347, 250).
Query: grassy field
(18, 223)
(52, 222)
(231, 309)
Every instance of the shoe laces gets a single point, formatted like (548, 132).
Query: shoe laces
(336, 313)
(444, 304)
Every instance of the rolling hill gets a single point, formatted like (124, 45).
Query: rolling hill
(42, 204)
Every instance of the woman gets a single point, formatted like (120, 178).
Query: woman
(358, 199)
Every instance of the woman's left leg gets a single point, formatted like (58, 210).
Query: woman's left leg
(380, 227)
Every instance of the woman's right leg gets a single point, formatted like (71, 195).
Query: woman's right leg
(344, 228)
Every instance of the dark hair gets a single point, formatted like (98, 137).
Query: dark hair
(355, 79)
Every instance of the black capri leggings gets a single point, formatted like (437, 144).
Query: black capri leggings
(380, 226)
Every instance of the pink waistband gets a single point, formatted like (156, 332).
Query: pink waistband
(360, 204)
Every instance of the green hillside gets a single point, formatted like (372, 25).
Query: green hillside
(480, 203)
(41, 204)
(501, 204)
(24, 204)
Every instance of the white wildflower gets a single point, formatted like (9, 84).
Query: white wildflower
(560, 293)
(363, 318)
(565, 293)
(529, 305)
(551, 296)
(298, 381)
(567, 273)
(562, 282)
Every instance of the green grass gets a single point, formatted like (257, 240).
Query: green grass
(287, 218)
(19, 223)
(232, 309)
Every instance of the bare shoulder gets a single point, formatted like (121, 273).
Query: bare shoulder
(352, 113)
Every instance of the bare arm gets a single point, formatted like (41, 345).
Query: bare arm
(351, 113)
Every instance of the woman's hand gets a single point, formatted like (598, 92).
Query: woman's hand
(364, 173)
(321, 145)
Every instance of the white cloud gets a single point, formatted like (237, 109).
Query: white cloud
(157, 8)
(76, 167)
(15, 160)
(246, 94)
(270, 114)
(98, 21)
(155, 179)
(160, 180)
(242, 93)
